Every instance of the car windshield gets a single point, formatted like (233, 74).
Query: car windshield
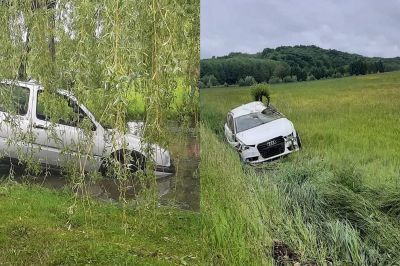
(248, 121)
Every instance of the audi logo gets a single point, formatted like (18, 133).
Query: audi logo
(272, 142)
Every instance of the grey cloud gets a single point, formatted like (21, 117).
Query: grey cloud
(366, 27)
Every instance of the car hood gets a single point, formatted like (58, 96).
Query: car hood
(267, 131)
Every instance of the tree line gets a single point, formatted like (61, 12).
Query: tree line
(289, 64)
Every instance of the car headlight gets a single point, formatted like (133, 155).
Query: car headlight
(290, 138)
(243, 147)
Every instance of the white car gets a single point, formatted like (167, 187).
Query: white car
(26, 129)
(260, 133)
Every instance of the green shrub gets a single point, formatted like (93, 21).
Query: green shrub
(201, 85)
(247, 81)
(259, 91)
(311, 77)
(288, 79)
(274, 80)
(209, 80)
(337, 75)
(241, 83)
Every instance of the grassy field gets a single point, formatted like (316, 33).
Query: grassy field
(335, 201)
(39, 227)
(352, 120)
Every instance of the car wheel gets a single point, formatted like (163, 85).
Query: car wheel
(137, 163)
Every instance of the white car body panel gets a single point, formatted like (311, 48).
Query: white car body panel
(48, 150)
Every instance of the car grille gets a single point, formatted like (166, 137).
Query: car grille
(272, 147)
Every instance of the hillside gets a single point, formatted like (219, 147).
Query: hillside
(291, 63)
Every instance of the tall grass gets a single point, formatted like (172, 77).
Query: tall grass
(232, 227)
(353, 119)
(323, 202)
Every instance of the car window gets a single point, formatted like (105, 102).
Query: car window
(230, 123)
(252, 120)
(58, 109)
(14, 99)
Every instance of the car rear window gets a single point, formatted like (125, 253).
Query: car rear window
(14, 99)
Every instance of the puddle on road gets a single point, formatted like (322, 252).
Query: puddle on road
(181, 189)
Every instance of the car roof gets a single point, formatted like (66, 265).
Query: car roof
(28, 84)
(253, 107)
(34, 84)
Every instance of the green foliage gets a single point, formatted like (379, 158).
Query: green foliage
(259, 91)
(274, 80)
(247, 81)
(209, 81)
(337, 75)
(231, 69)
(289, 79)
(300, 61)
(201, 85)
(358, 67)
(311, 78)
(122, 59)
(281, 71)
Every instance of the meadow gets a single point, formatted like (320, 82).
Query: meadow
(336, 201)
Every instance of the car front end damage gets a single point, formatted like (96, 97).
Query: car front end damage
(269, 149)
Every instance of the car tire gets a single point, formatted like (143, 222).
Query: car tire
(138, 162)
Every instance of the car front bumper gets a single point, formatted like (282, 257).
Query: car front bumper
(253, 156)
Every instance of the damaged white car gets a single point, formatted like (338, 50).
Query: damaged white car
(26, 127)
(260, 133)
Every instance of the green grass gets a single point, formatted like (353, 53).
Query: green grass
(37, 228)
(337, 200)
(354, 119)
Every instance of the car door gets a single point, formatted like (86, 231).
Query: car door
(64, 132)
(230, 130)
(14, 120)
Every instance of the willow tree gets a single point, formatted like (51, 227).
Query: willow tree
(103, 51)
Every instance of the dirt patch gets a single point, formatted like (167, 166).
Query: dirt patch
(283, 255)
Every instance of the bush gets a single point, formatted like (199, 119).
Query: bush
(274, 80)
(241, 83)
(250, 81)
(337, 75)
(259, 91)
(209, 80)
(201, 85)
(289, 79)
(311, 77)
(247, 81)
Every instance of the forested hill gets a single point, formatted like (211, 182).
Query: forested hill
(289, 64)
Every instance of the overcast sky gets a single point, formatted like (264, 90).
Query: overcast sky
(366, 27)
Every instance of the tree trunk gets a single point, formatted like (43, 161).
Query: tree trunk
(22, 75)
